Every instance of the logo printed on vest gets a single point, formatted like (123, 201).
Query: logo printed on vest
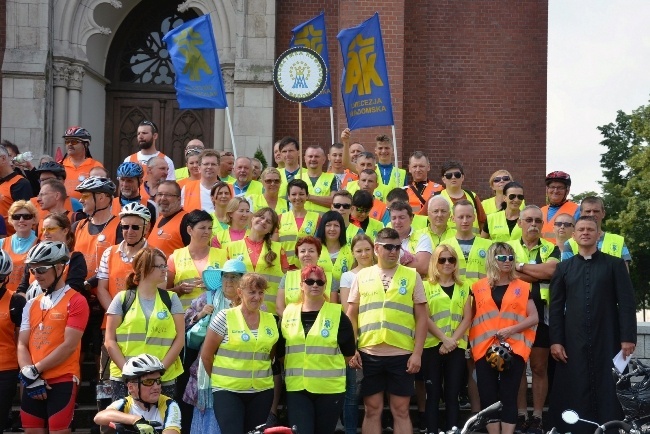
(162, 314)
(517, 292)
(482, 253)
(344, 265)
(324, 333)
(328, 324)
(402, 286)
(544, 249)
(269, 332)
(614, 247)
(318, 190)
(245, 337)
(309, 226)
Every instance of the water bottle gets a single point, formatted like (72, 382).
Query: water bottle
(23, 158)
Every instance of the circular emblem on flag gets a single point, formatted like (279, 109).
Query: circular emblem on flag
(299, 74)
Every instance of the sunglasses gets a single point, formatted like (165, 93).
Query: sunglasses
(563, 224)
(151, 124)
(390, 247)
(504, 258)
(51, 229)
(450, 260)
(40, 270)
(501, 178)
(86, 196)
(456, 175)
(134, 227)
(530, 220)
(150, 381)
(16, 217)
(518, 196)
(231, 275)
(363, 210)
(273, 181)
(72, 142)
(342, 205)
(310, 282)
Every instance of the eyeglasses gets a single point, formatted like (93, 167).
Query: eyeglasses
(273, 181)
(390, 247)
(150, 381)
(16, 217)
(310, 282)
(518, 196)
(40, 270)
(362, 210)
(456, 175)
(531, 220)
(159, 194)
(557, 188)
(231, 275)
(563, 224)
(501, 178)
(504, 258)
(151, 124)
(192, 151)
(161, 267)
(342, 205)
(51, 229)
(72, 142)
(134, 227)
(450, 260)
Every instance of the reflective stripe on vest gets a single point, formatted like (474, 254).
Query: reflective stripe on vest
(488, 319)
(387, 316)
(273, 274)
(611, 244)
(473, 268)
(522, 254)
(547, 229)
(135, 335)
(499, 229)
(323, 188)
(186, 270)
(446, 312)
(428, 191)
(243, 362)
(313, 362)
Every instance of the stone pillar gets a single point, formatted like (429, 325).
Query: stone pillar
(60, 76)
(74, 94)
(229, 84)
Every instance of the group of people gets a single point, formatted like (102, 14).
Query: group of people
(215, 294)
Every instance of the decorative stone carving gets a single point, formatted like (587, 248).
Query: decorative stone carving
(76, 77)
(228, 77)
(61, 74)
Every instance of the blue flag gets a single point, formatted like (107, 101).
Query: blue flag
(364, 85)
(193, 51)
(311, 34)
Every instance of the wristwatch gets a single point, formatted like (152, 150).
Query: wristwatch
(520, 266)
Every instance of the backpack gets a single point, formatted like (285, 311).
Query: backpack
(129, 298)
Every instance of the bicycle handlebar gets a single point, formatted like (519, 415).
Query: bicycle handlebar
(481, 414)
(615, 424)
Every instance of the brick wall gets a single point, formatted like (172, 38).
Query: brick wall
(468, 81)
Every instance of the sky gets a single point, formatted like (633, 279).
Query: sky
(598, 63)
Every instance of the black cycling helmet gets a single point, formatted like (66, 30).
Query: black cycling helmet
(52, 166)
(77, 133)
(559, 176)
(499, 356)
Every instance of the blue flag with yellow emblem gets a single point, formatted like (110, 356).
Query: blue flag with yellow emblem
(193, 51)
(311, 34)
(364, 85)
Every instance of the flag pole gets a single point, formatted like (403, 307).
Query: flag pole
(395, 154)
(300, 140)
(232, 136)
(332, 123)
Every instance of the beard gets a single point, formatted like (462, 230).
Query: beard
(145, 145)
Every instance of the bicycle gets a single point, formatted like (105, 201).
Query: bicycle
(260, 429)
(478, 420)
(571, 417)
(122, 428)
(635, 398)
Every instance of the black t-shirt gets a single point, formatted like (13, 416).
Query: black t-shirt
(449, 290)
(511, 225)
(498, 292)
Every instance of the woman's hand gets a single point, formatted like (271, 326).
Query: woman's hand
(505, 333)
(449, 345)
(207, 310)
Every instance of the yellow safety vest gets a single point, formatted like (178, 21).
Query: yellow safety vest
(289, 232)
(342, 263)
(135, 336)
(373, 228)
(244, 361)
(186, 270)
(351, 231)
(313, 362)
(258, 202)
(522, 254)
(162, 406)
(490, 206)
(181, 173)
(301, 174)
(228, 179)
(387, 316)
(292, 286)
(435, 239)
(452, 223)
(446, 312)
(322, 187)
(474, 268)
(273, 274)
(499, 230)
(380, 192)
(612, 245)
(393, 181)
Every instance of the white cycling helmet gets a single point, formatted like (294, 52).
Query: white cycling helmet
(48, 253)
(97, 184)
(136, 209)
(141, 365)
(6, 264)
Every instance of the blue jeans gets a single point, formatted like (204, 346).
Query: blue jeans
(351, 403)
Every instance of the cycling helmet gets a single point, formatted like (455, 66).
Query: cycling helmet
(52, 166)
(559, 176)
(129, 170)
(499, 356)
(96, 184)
(136, 209)
(6, 264)
(48, 253)
(77, 133)
(141, 365)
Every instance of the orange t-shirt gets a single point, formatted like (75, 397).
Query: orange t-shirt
(74, 175)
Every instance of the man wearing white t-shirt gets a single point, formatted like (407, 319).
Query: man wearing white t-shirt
(401, 217)
(196, 194)
(146, 136)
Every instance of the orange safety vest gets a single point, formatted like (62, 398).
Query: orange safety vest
(378, 210)
(167, 237)
(118, 271)
(92, 246)
(133, 158)
(348, 176)
(8, 354)
(192, 196)
(18, 259)
(547, 230)
(6, 200)
(43, 213)
(429, 190)
(48, 337)
(74, 175)
(488, 319)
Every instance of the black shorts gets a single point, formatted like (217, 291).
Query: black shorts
(55, 412)
(542, 338)
(386, 374)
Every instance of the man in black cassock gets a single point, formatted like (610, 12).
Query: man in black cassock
(592, 316)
